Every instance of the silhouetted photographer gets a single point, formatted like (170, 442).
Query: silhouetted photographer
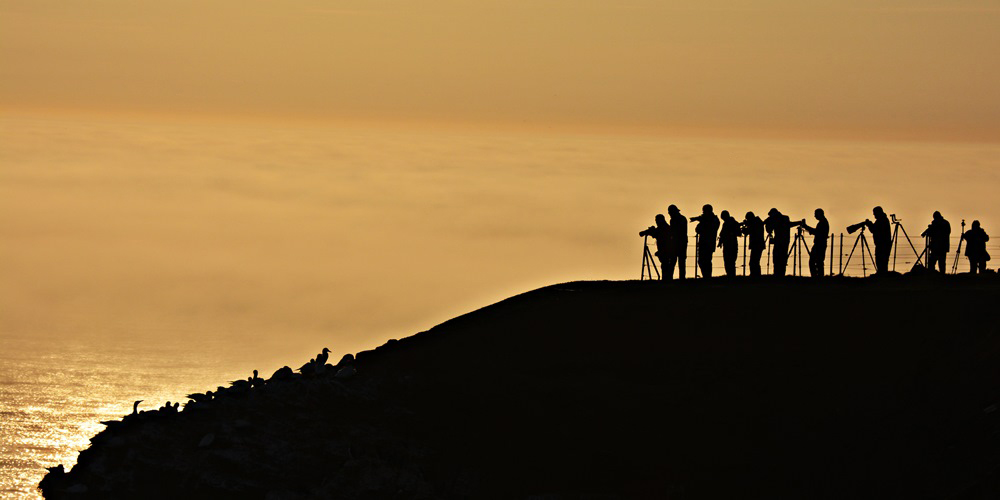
(753, 227)
(821, 233)
(938, 233)
(779, 226)
(677, 254)
(729, 242)
(975, 248)
(707, 230)
(661, 234)
(881, 231)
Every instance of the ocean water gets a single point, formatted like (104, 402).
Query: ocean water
(147, 259)
(54, 394)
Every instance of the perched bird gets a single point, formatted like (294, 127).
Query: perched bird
(317, 364)
(322, 357)
(135, 407)
(200, 398)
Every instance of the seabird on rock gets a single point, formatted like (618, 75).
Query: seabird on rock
(322, 357)
(135, 407)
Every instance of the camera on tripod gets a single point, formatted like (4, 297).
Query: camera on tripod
(649, 231)
(853, 228)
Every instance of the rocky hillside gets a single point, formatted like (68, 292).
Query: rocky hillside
(840, 388)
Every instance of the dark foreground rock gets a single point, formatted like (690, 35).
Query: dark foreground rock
(844, 388)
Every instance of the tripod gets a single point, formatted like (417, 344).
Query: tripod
(897, 225)
(865, 246)
(796, 251)
(648, 263)
(958, 253)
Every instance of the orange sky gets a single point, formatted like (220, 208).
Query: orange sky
(885, 68)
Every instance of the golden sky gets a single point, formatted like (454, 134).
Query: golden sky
(885, 68)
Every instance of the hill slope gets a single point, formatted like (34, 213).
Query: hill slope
(703, 389)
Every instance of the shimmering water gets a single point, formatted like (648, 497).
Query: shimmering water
(54, 394)
(143, 259)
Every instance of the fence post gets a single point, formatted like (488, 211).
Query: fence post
(841, 264)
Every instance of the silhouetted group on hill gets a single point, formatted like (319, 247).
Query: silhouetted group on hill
(671, 238)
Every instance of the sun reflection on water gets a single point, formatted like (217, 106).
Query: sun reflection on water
(52, 404)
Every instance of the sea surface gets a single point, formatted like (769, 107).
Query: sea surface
(146, 258)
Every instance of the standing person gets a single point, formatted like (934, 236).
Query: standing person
(975, 248)
(661, 233)
(678, 242)
(939, 233)
(729, 242)
(779, 226)
(821, 233)
(753, 228)
(882, 236)
(707, 230)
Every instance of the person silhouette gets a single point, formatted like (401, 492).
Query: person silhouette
(939, 234)
(753, 228)
(678, 243)
(729, 242)
(821, 233)
(661, 234)
(882, 236)
(707, 230)
(975, 248)
(779, 226)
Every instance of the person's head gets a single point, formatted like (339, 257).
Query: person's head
(878, 212)
(773, 212)
(672, 210)
(818, 213)
(937, 215)
(661, 220)
(725, 215)
(975, 224)
(707, 209)
(750, 215)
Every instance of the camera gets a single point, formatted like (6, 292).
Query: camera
(853, 228)
(649, 231)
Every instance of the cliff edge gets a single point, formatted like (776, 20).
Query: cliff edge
(837, 388)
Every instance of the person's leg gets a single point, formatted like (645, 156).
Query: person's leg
(972, 265)
(664, 261)
(705, 263)
(941, 259)
(681, 266)
(816, 259)
(882, 259)
(755, 255)
(668, 268)
(729, 259)
(780, 260)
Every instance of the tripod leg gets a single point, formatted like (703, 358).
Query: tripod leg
(652, 265)
(911, 247)
(645, 252)
(895, 245)
(843, 267)
(874, 263)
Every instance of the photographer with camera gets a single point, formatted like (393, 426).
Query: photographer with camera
(821, 233)
(882, 235)
(707, 230)
(729, 242)
(677, 250)
(753, 228)
(661, 234)
(939, 233)
(975, 248)
(779, 226)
